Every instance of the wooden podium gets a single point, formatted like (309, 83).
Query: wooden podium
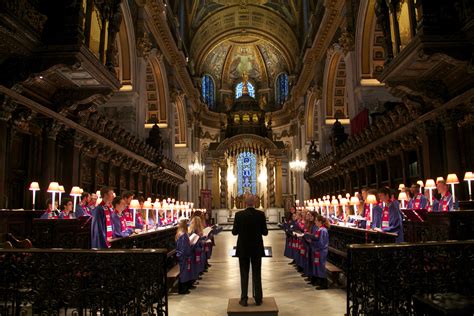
(268, 307)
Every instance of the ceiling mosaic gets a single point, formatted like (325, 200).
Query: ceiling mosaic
(228, 61)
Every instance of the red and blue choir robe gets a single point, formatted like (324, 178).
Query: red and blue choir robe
(289, 237)
(418, 202)
(63, 215)
(308, 268)
(377, 210)
(320, 245)
(366, 214)
(299, 244)
(434, 207)
(395, 224)
(197, 266)
(128, 215)
(184, 253)
(119, 226)
(101, 227)
(445, 203)
(82, 210)
(49, 214)
(139, 222)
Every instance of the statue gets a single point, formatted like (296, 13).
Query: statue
(262, 102)
(338, 133)
(154, 138)
(313, 153)
(245, 79)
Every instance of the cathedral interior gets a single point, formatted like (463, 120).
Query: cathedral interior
(208, 101)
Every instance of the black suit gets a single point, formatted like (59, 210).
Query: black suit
(250, 225)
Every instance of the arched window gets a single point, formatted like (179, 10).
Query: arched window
(247, 173)
(239, 87)
(281, 89)
(207, 90)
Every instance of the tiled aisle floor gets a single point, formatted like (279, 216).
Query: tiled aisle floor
(280, 280)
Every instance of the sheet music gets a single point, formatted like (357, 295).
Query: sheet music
(194, 238)
(299, 235)
(206, 231)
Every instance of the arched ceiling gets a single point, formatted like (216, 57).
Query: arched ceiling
(232, 36)
(228, 60)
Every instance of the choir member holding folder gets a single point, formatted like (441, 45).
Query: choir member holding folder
(391, 219)
(185, 255)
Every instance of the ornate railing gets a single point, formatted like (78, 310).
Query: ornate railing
(163, 238)
(83, 282)
(341, 238)
(382, 279)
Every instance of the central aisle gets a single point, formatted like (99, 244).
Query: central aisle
(280, 280)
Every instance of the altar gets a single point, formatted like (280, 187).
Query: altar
(227, 216)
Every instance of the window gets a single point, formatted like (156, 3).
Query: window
(281, 89)
(247, 173)
(207, 91)
(240, 86)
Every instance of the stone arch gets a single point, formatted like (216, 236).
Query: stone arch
(369, 39)
(312, 116)
(335, 98)
(180, 123)
(157, 93)
(126, 50)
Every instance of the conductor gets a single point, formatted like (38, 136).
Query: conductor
(250, 224)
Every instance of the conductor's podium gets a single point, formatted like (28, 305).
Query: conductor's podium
(268, 307)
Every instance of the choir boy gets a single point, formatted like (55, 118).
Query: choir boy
(320, 246)
(101, 228)
(391, 220)
(119, 223)
(446, 203)
(50, 213)
(83, 209)
(418, 200)
(128, 213)
(66, 209)
(92, 202)
(185, 254)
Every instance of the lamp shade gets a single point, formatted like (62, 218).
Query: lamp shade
(401, 187)
(354, 200)
(468, 176)
(75, 191)
(82, 190)
(438, 179)
(327, 203)
(371, 199)
(53, 187)
(430, 184)
(147, 204)
(61, 189)
(335, 202)
(99, 200)
(156, 205)
(402, 196)
(34, 186)
(134, 204)
(339, 197)
(343, 202)
(452, 179)
(420, 183)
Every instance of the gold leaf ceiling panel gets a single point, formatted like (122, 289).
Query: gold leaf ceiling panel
(229, 22)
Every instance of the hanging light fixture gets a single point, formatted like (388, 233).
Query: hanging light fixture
(195, 167)
(298, 165)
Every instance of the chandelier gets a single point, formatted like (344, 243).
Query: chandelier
(195, 167)
(297, 165)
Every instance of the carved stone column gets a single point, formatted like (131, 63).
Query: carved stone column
(223, 185)
(279, 184)
(51, 130)
(451, 141)
(271, 183)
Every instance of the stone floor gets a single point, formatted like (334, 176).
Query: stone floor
(280, 280)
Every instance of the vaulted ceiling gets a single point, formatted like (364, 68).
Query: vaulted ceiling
(229, 37)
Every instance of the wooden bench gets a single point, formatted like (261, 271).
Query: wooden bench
(173, 273)
(333, 272)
